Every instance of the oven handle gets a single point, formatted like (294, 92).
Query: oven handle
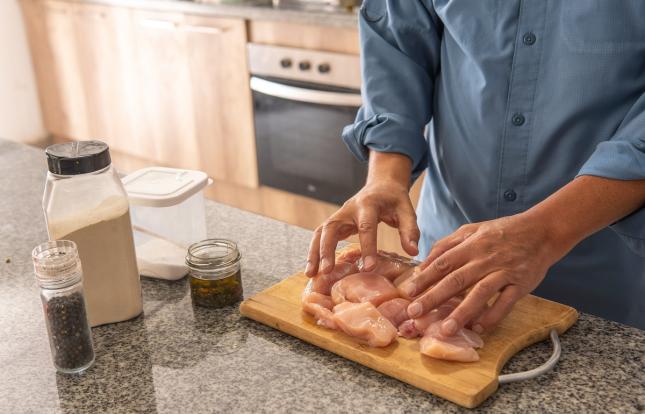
(294, 93)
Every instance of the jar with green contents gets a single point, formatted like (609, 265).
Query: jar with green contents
(214, 273)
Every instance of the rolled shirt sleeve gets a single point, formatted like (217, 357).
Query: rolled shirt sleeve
(623, 158)
(400, 47)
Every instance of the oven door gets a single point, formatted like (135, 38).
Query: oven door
(297, 129)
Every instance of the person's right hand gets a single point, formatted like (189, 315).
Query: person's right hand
(383, 198)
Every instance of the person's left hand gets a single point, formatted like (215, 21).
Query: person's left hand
(509, 256)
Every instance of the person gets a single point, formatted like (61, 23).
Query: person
(528, 118)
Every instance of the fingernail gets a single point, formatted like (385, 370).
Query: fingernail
(410, 289)
(449, 327)
(477, 328)
(369, 262)
(308, 268)
(415, 310)
(414, 244)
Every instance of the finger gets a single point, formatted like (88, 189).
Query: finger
(447, 243)
(498, 311)
(472, 306)
(439, 248)
(328, 240)
(313, 258)
(453, 284)
(367, 229)
(408, 229)
(442, 266)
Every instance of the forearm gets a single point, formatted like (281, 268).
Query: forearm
(584, 206)
(389, 166)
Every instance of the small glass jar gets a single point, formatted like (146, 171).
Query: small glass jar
(59, 274)
(214, 273)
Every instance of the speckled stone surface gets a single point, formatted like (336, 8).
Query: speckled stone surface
(251, 9)
(177, 358)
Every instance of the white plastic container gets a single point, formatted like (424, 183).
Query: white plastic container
(167, 210)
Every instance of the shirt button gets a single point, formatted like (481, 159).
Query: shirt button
(518, 119)
(528, 38)
(510, 195)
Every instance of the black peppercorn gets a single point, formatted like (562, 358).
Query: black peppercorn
(69, 332)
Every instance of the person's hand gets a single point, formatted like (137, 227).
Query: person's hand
(383, 198)
(385, 201)
(508, 256)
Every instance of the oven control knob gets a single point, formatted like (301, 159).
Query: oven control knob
(304, 65)
(285, 63)
(324, 68)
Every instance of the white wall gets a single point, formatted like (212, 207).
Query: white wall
(20, 117)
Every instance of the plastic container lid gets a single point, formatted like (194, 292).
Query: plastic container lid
(163, 187)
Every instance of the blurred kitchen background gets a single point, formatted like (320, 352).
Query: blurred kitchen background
(254, 93)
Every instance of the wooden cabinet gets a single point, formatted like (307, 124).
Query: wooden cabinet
(166, 103)
(50, 25)
(223, 108)
(105, 56)
(167, 87)
(196, 102)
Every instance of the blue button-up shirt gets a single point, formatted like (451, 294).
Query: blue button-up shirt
(516, 99)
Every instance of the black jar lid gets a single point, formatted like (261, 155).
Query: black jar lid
(77, 157)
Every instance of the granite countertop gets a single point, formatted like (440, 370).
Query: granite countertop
(177, 358)
(250, 9)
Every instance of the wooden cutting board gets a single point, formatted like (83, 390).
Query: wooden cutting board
(466, 384)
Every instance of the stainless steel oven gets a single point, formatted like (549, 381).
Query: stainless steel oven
(302, 99)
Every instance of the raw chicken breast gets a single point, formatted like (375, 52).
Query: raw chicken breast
(319, 306)
(460, 347)
(363, 321)
(322, 283)
(395, 310)
(389, 265)
(346, 264)
(346, 299)
(363, 287)
(315, 298)
(350, 255)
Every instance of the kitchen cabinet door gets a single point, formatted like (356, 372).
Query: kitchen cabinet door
(52, 37)
(105, 55)
(222, 104)
(196, 103)
(166, 124)
(167, 87)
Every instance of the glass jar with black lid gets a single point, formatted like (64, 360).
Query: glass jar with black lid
(214, 273)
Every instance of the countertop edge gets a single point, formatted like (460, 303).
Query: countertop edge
(250, 12)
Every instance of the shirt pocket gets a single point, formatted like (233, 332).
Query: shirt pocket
(604, 26)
